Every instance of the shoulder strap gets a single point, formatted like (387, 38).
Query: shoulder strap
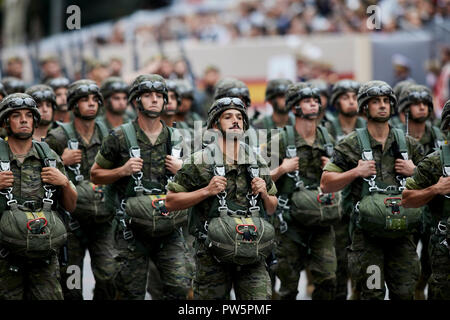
(68, 129)
(102, 126)
(438, 137)
(364, 143)
(183, 125)
(130, 135)
(252, 136)
(336, 126)
(45, 153)
(401, 141)
(267, 123)
(291, 150)
(4, 155)
(360, 122)
(445, 159)
(196, 117)
(326, 138)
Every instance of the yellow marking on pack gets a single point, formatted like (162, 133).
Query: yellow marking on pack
(34, 215)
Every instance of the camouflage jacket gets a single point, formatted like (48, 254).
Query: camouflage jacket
(310, 169)
(334, 132)
(114, 153)
(427, 173)
(103, 119)
(428, 140)
(347, 153)
(198, 170)
(57, 140)
(268, 123)
(27, 184)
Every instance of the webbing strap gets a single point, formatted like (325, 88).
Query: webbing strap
(290, 135)
(401, 142)
(44, 151)
(68, 129)
(337, 127)
(4, 153)
(326, 138)
(364, 143)
(360, 123)
(445, 159)
(130, 135)
(102, 127)
(438, 137)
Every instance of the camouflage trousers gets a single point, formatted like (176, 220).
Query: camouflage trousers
(342, 242)
(30, 280)
(98, 239)
(168, 255)
(154, 284)
(312, 248)
(374, 261)
(439, 283)
(214, 280)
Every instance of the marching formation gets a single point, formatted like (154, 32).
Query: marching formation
(187, 206)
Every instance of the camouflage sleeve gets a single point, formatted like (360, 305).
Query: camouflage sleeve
(427, 172)
(188, 178)
(416, 151)
(57, 140)
(107, 156)
(60, 167)
(344, 156)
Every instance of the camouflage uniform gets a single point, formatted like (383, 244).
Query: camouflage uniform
(214, 280)
(300, 246)
(22, 278)
(396, 258)
(166, 252)
(93, 236)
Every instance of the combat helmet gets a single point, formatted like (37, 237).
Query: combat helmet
(13, 85)
(341, 87)
(375, 88)
(42, 92)
(56, 83)
(82, 88)
(445, 117)
(148, 83)
(415, 93)
(231, 87)
(222, 104)
(19, 101)
(298, 91)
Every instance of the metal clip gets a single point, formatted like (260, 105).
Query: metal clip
(73, 225)
(442, 227)
(219, 171)
(367, 155)
(254, 172)
(176, 152)
(79, 177)
(446, 171)
(5, 166)
(72, 144)
(291, 151)
(4, 253)
(127, 234)
(50, 163)
(254, 209)
(135, 152)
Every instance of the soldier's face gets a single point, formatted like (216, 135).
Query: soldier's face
(172, 104)
(379, 107)
(46, 110)
(118, 102)
(323, 100)
(419, 110)
(348, 102)
(88, 105)
(186, 105)
(152, 101)
(61, 98)
(280, 101)
(231, 121)
(21, 121)
(309, 106)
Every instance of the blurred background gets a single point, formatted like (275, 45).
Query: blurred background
(205, 40)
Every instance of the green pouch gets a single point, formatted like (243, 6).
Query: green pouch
(239, 240)
(32, 234)
(149, 217)
(91, 203)
(312, 208)
(382, 216)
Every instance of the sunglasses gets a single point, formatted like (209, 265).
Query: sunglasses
(43, 95)
(18, 102)
(59, 82)
(149, 85)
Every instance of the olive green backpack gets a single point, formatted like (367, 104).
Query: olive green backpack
(380, 213)
(26, 232)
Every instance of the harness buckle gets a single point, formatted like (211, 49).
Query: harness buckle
(127, 234)
(176, 152)
(4, 253)
(367, 155)
(446, 171)
(442, 227)
(72, 144)
(291, 151)
(49, 201)
(219, 171)
(254, 172)
(5, 166)
(254, 209)
(73, 225)
(50, 163)
(79, 178)
(135, 152)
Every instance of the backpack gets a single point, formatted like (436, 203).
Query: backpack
(91, 200)
(26, 232)
(379, 213)
(145, 211)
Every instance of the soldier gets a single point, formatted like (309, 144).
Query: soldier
(376, 245)
(430, 185)
(60, 85)
(46, 102)
(303, 151)
(14, 67)
(3, 94)
(201, 181)
(211, 75)
(115, 165)
(77, 142)
(322, 86)
(13, 85)
(115, 92)
(398, 119)
(168, 114)
(22, 277)
(416, 104)
(343, 98)
(276, 96)
(185, 116)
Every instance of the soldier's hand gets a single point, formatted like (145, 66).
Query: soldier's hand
(290, 164)
(6, 179)
(366, 168)
(133, 165)
(71, 157)
(216, 185)
(443, 185)
(53, 176)
(259, 186)
(173, 164)
(323, 161)
(404, 167)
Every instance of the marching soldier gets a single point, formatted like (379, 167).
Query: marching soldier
(46, 102)
(60, 85)
(115, 92)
